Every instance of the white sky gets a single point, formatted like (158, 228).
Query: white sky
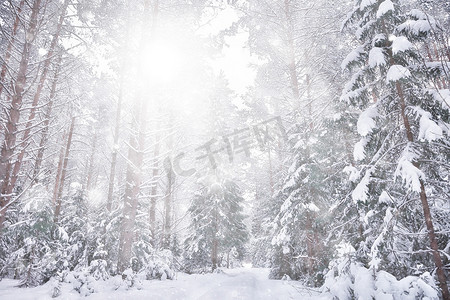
(236, 58)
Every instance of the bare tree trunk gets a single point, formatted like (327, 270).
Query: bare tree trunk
(36, 97)
(11, 43)
(9, 144)
(169, 194)
(115, 150)
(292, 61)
(155, 172)
(48, 114)
(168, 209)
(293, 72)
(112, 172)
(58, 171)
(423, 196)
(154, 191)
(295, 86)
(132, 188)
(214, 254)
(270, 171)
(309, 104)
(91, 163)
(310, 243)
(134, 169)
(311, 236)
(215, 242)
(433, 242)
(425, 206)
(63, 172)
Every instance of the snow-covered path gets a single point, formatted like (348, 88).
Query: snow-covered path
(243, 283)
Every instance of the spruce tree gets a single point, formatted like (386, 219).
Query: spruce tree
(403, 126)
(303, 235)
(217, 225)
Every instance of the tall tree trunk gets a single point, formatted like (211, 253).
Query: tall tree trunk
(134, 164)
(425, 205)
(309, 104)
(433, 242)
(154, 190)
(58, 170)
(36, 98)
(168, 209)
(215, 242)
(112, 172)
(292, 65)
(309, 243)
(311, 236)
(270, 171)
(169, 193)
(132, 187)
(423, 196)
(295, 86)
(91, 163)
(46, 124)
(11, 43)
(9, 143)
(293, 71)
(115, 150)
(214, 253)
(63, 172)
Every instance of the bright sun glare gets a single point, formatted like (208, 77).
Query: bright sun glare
(161, 62)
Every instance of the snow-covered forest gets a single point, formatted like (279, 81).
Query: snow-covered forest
(144, 141)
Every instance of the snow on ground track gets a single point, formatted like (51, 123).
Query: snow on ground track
(252, 284)
(242, 285)
(237, 284)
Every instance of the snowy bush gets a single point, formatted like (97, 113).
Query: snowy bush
(82, 282)
(55, 287)
(131, 279)
(98, 266)
(160, 266)
(347, 279)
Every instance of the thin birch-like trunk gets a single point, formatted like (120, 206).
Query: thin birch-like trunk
(9, 144)
(64, 172)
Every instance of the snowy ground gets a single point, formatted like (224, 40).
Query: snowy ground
(243, 283)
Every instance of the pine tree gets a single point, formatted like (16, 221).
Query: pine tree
(304, 237)
(403, 126)
(264, 212)
(217, 225)
(74, 221)
(35, 250)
